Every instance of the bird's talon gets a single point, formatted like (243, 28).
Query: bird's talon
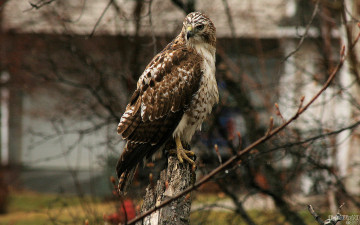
(183, 154)
(179, 156)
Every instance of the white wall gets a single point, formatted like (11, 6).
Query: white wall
(52, 141)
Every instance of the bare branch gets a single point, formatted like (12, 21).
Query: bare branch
(315, 215)
(216, 147)
(316, 9)
(153, 37)
(301, 103)
(271, 126)
(311, 139)
(332, 221)
(229, 18)
(100, 18)
(278, 112)
(39, 4)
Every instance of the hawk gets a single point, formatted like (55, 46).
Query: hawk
(174, 95)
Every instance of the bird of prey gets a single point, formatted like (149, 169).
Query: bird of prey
(174, 95)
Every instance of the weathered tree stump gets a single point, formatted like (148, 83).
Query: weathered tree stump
(175, 178)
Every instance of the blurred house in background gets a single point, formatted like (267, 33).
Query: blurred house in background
(62, 91)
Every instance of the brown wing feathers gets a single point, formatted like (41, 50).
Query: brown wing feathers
(135, 152)
(164, 92)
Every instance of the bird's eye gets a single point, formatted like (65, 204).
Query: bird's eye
(200, 27)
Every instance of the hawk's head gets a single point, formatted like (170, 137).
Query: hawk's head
(198, 28)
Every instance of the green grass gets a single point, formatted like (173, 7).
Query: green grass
(28, 208)
(27, 202)
(230, 218)
(208, 198)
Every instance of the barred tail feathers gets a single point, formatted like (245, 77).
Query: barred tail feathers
(129, 161)
(125, 180)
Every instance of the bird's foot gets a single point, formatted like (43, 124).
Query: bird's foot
(183, 154)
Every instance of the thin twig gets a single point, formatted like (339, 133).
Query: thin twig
(216, 147)
(331, 221)
(314, 138)
(315, 215)
(229, 18)
(152, 28)
(38, 5)
(100, 18)
(316, 9)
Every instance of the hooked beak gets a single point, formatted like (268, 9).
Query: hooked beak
(189, 32)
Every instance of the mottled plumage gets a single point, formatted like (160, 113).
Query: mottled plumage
(174, 95)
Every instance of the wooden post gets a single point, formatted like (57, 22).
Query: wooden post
(175, 178)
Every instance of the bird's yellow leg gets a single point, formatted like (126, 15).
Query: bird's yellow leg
(183, 154)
